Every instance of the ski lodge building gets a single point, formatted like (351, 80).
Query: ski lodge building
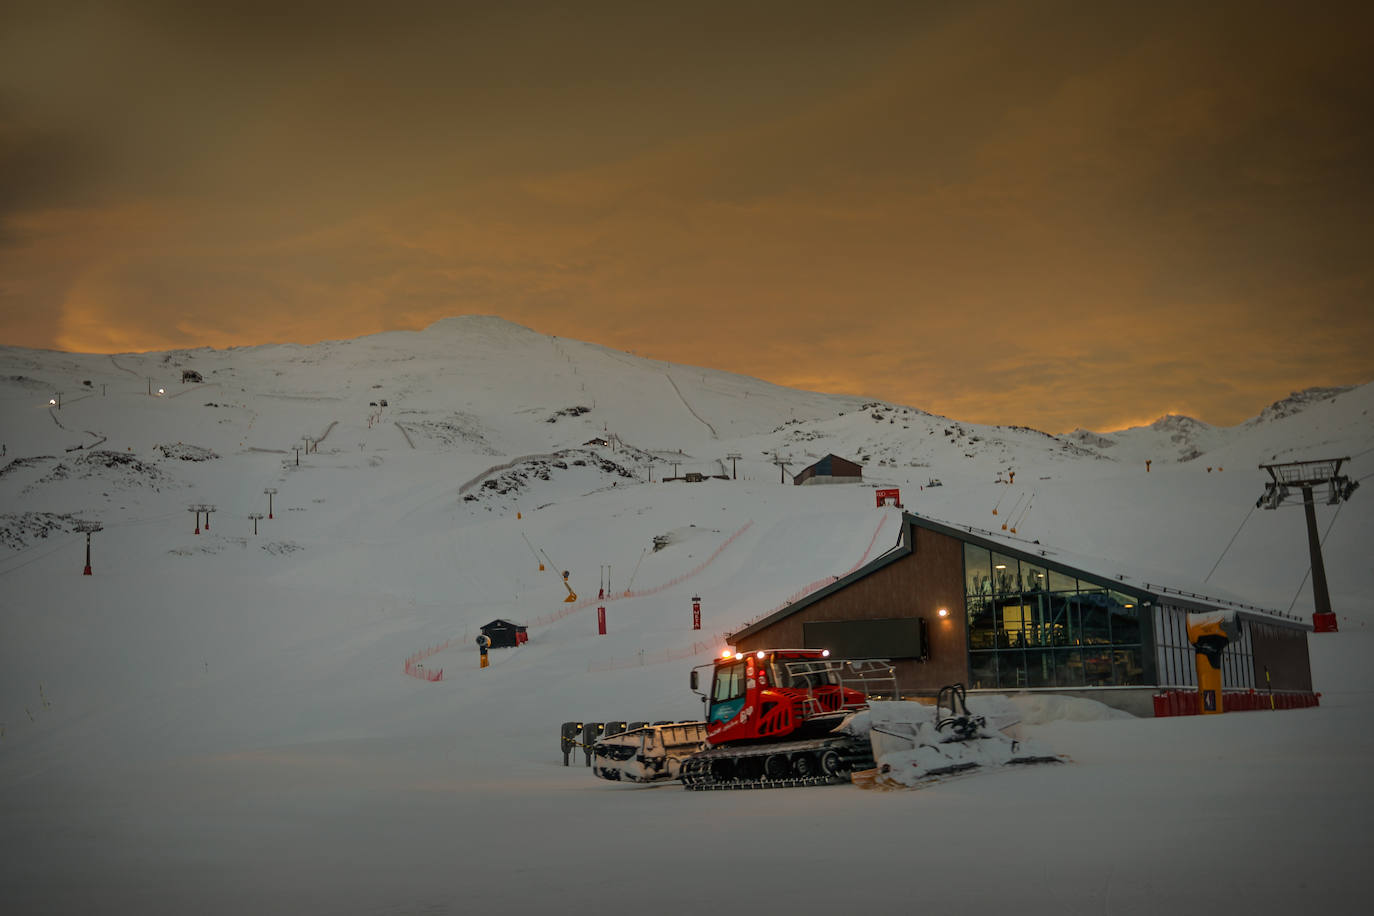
(952, 604)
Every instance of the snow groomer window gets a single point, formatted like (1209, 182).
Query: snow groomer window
(730, 683)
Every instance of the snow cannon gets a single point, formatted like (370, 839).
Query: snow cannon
(1209, 634)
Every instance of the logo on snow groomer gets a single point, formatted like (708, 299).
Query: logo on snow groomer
(724, 712)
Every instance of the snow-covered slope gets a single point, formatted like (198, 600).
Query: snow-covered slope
(214, 704)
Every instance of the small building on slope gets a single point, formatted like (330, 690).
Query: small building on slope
(504, 634)
(830, 469)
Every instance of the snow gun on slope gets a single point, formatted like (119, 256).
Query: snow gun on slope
(780, 718)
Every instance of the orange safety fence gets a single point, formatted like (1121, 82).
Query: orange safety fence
(418, 671)
(414, 669)
(642, 657)
(820, 583)
(562, 612)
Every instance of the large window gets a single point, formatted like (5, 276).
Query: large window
(1032, 626)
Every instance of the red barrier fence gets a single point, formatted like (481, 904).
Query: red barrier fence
(420, 672)
(564, 611)
(642, 658)
(414, 669)
(819, 583)
(1186, 703)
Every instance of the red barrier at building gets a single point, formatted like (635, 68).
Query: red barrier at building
(1186, 702)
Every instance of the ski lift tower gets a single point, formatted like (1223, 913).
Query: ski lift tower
(1305, 476)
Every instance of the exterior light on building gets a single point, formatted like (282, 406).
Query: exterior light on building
(943, 612)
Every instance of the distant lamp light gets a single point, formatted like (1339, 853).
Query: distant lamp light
(943, 612)
(161, 392)
(1000, 566)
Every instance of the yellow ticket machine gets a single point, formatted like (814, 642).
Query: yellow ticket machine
(1209, 634)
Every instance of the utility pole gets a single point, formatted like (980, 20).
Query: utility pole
(1305, 476)
(733, 457)
(272, 490)
(88, 527)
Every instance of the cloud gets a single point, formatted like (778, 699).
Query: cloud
(1050, 215)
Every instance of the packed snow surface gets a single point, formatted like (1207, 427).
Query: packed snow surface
(236, 714)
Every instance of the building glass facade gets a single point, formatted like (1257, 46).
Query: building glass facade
(1031, 626)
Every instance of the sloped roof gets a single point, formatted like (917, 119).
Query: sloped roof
(1160, 587)
(826, 465)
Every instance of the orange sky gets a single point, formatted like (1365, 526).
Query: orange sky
(1044, 214)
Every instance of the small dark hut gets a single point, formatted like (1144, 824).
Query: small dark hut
(504, 634)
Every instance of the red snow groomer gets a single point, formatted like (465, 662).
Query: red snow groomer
(775, 693)
(772, 716)
(771, 719)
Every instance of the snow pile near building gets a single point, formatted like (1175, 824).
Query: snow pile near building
(1042, 708)
(915, 745)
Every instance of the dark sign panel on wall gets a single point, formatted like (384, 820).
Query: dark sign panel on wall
(900, 637)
